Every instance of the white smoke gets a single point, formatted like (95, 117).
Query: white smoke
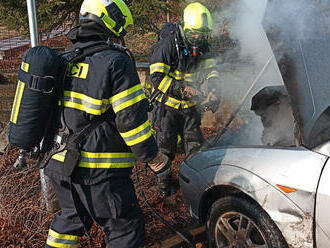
(243, 21)
(239, 67)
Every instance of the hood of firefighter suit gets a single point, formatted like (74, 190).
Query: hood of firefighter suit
(88, 30)
(300, 40)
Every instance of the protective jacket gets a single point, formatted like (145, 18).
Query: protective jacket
(173, 63)
(105, 81)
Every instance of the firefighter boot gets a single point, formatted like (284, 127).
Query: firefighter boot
(166, 183)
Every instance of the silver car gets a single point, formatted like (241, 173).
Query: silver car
(272, 195)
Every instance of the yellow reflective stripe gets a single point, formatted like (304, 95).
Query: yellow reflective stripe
(62, 236)
(101, 160)
(178, 75)
(79, 70)
(86, 98)
(82, 108)
(159, 67)
(175, 103)
(59, 245)
(127, 98)
(25, 66)
(17, 102)
(59, 156)
(189, 77)
(137, 135)
(209, 63)
(165, 84)
(85, 103)
(55, 239)
(212, 74)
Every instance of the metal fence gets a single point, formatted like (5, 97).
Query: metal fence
(13, 45)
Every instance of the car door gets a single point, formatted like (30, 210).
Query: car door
(322, 215)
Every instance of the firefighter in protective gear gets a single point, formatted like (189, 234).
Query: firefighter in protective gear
(100, 188)
(180, 63)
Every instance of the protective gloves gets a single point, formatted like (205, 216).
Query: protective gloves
(160, 163)
(211, 102)
(161, 166)
(184, 91)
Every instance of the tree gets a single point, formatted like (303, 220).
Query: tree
(52, 14)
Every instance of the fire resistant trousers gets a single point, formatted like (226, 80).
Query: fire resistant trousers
(111, 203)
(171, 123)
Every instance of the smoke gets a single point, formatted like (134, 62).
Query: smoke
(243, 48)
(297, 20)
(244, 22)
(240, 21)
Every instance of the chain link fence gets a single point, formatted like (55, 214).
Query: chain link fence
(13, 45)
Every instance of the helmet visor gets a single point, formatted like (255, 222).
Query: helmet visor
(196, 38)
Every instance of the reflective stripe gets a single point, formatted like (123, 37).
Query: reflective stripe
(137, 135)
(17, 102)
(85, 103)
(165, 84)
(178, 75)
(209, 63)
(79, 70)
(212, 74)
(189, 77)
(159, 67)
(25, 66)
(175, 103)
(127, 98)
(102, 160)
(55, 239)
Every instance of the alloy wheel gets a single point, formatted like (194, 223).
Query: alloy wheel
(235, 230)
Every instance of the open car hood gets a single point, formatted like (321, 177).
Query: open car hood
(298, 31)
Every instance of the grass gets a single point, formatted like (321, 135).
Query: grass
(140, 45)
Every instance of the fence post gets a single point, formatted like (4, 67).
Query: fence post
(46, 187)
(168, 12)
(31, 6)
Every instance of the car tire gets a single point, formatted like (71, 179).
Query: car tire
(237, 222)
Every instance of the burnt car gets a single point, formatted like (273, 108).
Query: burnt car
(274, 194)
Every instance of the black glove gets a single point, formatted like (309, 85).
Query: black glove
(184, 91)
(211, 102)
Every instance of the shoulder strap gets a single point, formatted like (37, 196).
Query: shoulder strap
(79, 136)
(78, 55)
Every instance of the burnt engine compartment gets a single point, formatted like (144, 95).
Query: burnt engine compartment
(272, 105)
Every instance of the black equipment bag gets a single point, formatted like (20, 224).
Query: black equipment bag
(40, 76)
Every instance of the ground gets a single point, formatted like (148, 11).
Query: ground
(24, 221)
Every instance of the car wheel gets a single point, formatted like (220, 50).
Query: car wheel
(235, 222)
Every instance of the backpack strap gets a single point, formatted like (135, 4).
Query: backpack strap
(37, 83)
(73, 154)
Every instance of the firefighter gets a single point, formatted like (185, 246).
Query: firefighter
(100, 189)
(180, 63)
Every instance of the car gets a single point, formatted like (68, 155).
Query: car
(273, 195)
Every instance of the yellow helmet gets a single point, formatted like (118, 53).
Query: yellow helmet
(113, 14)
(196, 23)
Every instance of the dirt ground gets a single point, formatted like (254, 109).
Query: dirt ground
(24, 221)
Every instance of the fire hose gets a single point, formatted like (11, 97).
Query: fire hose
(184, 235)
(235, 112)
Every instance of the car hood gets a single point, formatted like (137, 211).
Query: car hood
(298, 31)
